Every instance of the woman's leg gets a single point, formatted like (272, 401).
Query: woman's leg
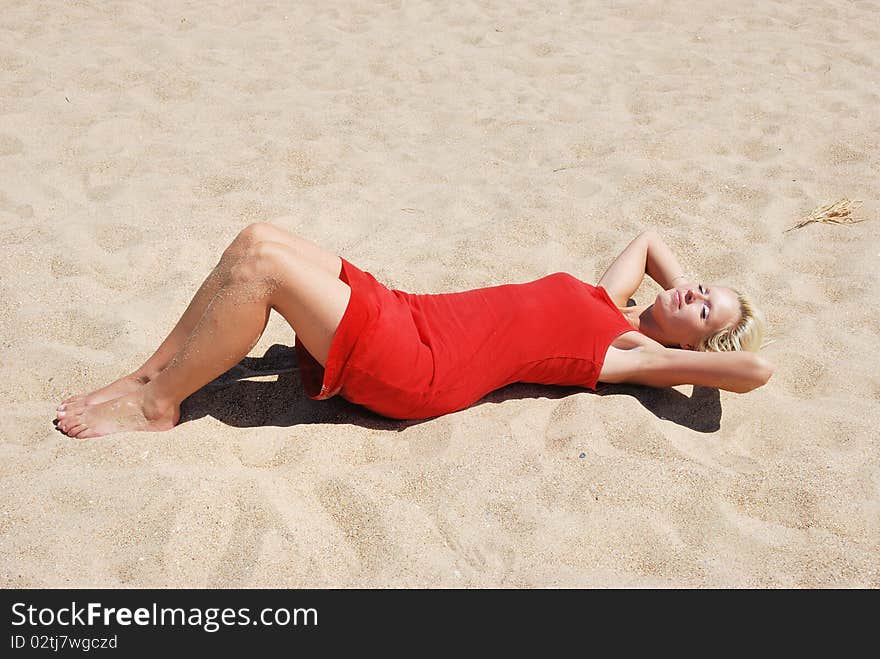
(268, 276)
(249, 236)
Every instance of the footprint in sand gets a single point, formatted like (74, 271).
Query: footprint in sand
(10, 145)
(359, 520)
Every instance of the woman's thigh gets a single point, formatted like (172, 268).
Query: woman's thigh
(311, 299)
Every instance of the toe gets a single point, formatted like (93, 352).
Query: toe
(66, 422)
(76, 430)
(87, 433)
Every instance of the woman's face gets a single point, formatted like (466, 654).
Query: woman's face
(689, 313)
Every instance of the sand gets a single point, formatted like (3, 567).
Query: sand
(440, 148)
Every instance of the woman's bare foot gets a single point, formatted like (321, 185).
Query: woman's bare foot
(126, 413)
(122, 386)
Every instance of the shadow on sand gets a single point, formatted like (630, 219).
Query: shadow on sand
(238, 399)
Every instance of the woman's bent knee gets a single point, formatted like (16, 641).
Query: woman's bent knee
(261, 260)
(256, 232)
(258, 274)
(246, 238)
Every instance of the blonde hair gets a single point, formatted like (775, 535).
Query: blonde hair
(746, 334)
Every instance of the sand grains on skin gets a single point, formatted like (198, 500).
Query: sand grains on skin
(124, 414)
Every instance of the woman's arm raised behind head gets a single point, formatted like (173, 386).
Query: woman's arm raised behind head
(624, 275)
(661, 264)
(646, 254)
(737, 371)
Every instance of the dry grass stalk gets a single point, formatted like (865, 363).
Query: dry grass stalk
(840, 212)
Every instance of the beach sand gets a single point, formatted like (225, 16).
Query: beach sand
(440, 148)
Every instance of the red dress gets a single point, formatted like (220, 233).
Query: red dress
(410, 356)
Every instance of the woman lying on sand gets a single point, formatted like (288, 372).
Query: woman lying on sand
(411, 356)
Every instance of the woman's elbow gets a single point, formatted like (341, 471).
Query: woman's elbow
(763, 372)
(769, 370)
(757, 374)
